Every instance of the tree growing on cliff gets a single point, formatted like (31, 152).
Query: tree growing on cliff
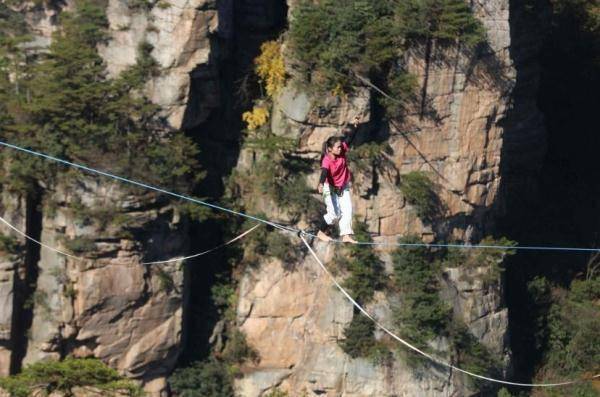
(364, 266)
(337, 43)
(334, 39)
(64, 376)
(420, 192)
(422, 315)
(365, 276)
(445, 22)
(565, 333)
(72, 109)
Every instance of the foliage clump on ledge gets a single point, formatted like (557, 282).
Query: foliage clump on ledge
(339, 43)
(214, 376)
(565, 331)
(63, 103)
(423, 316)
(420, 192)
(365, 276)
(65, 376)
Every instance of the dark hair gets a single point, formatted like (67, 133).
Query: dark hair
(328, 144)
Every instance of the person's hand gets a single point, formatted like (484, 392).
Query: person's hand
(355, 122)
(320, 188)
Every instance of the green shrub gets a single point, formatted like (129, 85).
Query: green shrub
(359, 339)
(332, 38)
(9, 244)
(38, 299)
(366, 275)
(63, 376)
(210, 378)
(140, 4)
(102, 215)
(277, 393)
(448, 21)
(490, 258)
(263, 140)
(472, 355)
(566, 324)
(80, 245)
(223, 296)
(165, 280)
(419, 191)
(403, 87)
(335, 40)
(585, 290)
(365, 268)
(269, 177)
(422, 315)
(369, 155)
(503, 392)
(293, 194)
(237, 350)
(67, 107)
(281, 247)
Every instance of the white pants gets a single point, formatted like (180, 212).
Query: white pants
(339, 209)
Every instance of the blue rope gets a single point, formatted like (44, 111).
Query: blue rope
(483, 246)
(279, 226)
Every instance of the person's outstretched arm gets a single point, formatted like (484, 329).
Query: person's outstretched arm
(349, 132)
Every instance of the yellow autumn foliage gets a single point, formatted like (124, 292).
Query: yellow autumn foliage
(270, 67)
(256, 118)
(338, 91)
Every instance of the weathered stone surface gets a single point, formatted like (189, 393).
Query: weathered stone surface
(479, 305)
(180, 37)
(298, 341)
(458, 140)
(107, 304)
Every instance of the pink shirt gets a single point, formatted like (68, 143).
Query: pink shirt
(338, 173)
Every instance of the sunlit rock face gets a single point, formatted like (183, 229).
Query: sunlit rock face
(112, 307)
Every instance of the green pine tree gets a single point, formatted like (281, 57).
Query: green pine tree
(444, 22)
(71, 108)
(422, 315)
(332, 39)
(365, 267)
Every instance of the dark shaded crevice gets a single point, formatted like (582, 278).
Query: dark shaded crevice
(549, 194)
(247, 24)
(233, 52)
(25, 283)
(428, 50)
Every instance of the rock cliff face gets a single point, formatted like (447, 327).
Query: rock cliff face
(459, 142)
(295, 319)
(101, 301)
(106, 303)
(130, 315)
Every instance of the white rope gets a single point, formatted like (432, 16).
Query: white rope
(430, 357)
(205, 252)
(143, 263)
